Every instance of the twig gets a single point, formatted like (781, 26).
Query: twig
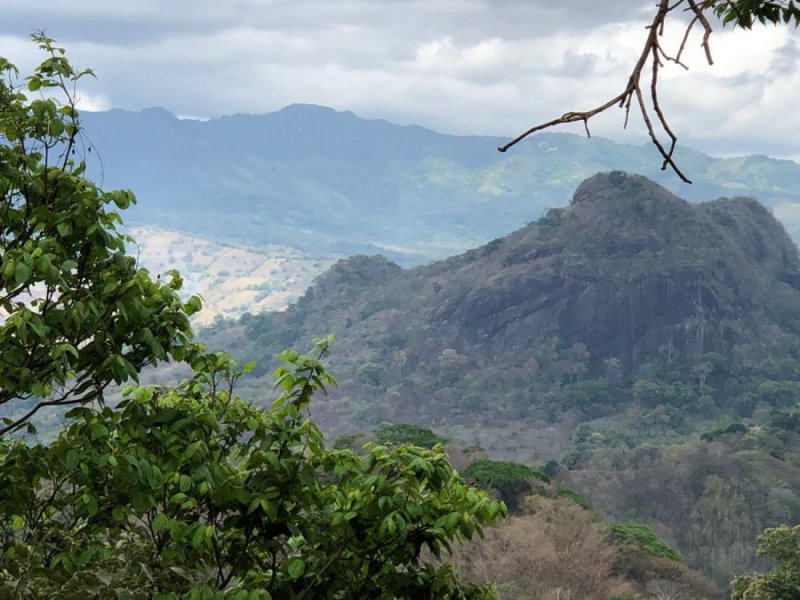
(652, 49)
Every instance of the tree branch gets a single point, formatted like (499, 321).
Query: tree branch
(654, 50)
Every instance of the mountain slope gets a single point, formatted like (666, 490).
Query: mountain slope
(648, 345)
(329, 182)
(627, 280)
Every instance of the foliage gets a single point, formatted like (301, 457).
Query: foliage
(406, 433)
(710, 436)
(625, 275)
(784, 420)
(644, 538)
(187, 490)
(76, 313)
(746, 13)
(192, 490)
(551, 469)
(577, 498)
(781, 583)
(510, 479)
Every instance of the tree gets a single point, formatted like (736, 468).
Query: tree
(781, 583)
(76, 312)
(742, 13)
(406, 433)
(177, 491)
(511, 480)
(192, 491)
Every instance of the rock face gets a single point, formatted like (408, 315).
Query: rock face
(627, 273)
(627, 269)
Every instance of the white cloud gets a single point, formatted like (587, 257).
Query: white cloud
(465, 66)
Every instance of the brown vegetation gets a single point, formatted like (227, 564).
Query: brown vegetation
(561, 551)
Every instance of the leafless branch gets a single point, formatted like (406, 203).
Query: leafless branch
(66, 398)
(654, 51)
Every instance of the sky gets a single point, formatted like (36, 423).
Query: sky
(456, 66)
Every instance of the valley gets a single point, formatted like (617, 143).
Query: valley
(232, 279)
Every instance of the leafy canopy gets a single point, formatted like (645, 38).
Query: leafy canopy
(195, 492)
(645, 539)
(781, 544)
(185, 491)
(511, 480)
(746, 13)
(407, 433)
(76, 313)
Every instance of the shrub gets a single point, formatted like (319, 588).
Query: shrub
(511, 480)
(645, 539)
(406, 433)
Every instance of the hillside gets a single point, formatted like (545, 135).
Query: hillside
(625, 276)
(231, 278)
(315, 185)
(324, 182)
(608, 336)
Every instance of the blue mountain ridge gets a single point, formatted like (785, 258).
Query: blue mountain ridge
(331, 182)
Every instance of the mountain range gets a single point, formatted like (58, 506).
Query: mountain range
(329, 183)
(645, 346)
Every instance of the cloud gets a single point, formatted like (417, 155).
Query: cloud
(463, 66)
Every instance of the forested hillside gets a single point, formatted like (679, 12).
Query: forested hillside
(628, 284)
(611, 334)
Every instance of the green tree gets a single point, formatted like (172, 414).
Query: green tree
(644, 538)
(76, 313)
(511, 480)
(184, 491)
(191, 491)
(407, 433)
(782, 544)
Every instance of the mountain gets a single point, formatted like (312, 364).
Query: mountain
(647, 345)
(626, 280)
(330, 183)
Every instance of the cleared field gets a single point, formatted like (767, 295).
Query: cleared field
(232, 279)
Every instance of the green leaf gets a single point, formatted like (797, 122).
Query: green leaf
(21, 273)
(98, 431)
(72, 459)
(160, 522)
(295, 567)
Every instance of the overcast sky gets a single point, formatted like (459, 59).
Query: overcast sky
(456, 66)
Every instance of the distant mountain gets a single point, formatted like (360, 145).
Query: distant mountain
(331, 183)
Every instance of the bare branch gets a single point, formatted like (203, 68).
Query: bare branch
(63, 400)
(698, 12)
(652, 49)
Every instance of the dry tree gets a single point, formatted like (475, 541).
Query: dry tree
(643, 80)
